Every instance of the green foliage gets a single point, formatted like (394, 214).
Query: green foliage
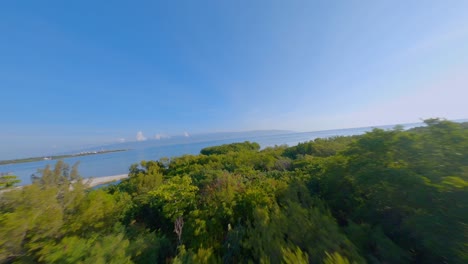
(320, 147)
(29, 216)
(336, 258)
(295, 256)
(97, 249)
(201, 256)
(234, 147)
(176, 197)
(143, 178)
(8, 181)
(98, 211)
(388, 196)
(57, 220)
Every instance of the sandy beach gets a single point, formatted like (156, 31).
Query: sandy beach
(105, 179)
(92, 182)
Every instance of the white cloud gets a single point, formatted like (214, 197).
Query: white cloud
(186, 134)
(140, 136)
(121, 140)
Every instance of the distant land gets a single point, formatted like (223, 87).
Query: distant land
(55, 157)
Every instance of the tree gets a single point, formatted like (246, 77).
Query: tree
(8, 181)
(176, 197)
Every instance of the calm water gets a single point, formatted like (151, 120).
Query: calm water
(119, 162)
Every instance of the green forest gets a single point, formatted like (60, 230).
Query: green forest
(387, 196)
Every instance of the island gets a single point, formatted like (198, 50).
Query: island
(56, 157)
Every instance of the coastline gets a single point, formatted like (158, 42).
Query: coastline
(58, 157)
(91, 182)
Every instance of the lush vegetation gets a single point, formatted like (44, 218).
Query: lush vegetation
(7, 180)
(383, 197)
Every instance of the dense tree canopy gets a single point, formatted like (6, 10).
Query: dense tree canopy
(234, 147)
(388, 196)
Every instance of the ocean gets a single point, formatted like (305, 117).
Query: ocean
(119, 162)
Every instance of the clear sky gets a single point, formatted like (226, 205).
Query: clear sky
(75, 73)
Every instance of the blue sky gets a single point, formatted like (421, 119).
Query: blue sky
(76, 73)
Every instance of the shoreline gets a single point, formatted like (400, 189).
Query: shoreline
(91, 181)
(59, 157)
